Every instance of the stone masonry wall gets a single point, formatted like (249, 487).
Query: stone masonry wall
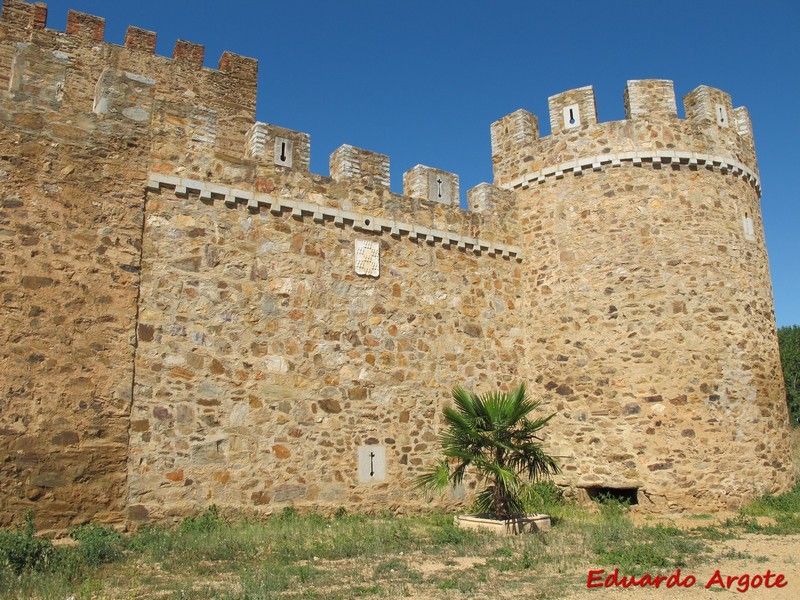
(77, 121)
(192, 317)
(70, 229)
(662, 361)
(265, 361)
(70, 242)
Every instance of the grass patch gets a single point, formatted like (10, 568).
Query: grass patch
(735, 555)
(617, 542)
(783, 510)
(643, 549)
(774, 506)
(292, 555)
(98, 545)
(460, 584)
(714, 533)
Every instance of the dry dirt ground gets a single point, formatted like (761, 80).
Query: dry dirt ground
(752, 554)
(459, 577)
(748, 555)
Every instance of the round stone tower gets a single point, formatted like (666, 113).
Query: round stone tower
(649, 313)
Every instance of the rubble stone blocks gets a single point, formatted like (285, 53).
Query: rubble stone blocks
(191, 317)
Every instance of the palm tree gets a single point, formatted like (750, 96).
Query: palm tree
(493, 434)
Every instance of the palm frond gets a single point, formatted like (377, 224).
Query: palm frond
(484, 500)
(465, 401)
(494, 435)
(436, 479)
(457, 476)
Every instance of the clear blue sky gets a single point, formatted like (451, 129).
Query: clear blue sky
(421, 81)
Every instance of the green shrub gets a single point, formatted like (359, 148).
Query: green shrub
(208, 521)
(289, 513)
(98, 545)
(20, 551)
(541, 496)
(612, 507)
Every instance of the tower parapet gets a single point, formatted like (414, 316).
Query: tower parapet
(713, 135)
(644, 237)
(650, 99)
(572, 109)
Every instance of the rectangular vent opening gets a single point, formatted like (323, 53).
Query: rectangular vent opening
(624, 495)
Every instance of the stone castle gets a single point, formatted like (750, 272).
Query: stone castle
(191, 317)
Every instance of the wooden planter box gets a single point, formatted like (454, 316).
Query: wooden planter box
(527, 524)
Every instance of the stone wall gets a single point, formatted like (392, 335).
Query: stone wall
(69, 266)
(71, 218)
(265, 361)
(663, 360)
(78, 118)
(192, 317)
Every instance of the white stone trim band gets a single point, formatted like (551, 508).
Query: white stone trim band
(655, 158)
(318, 212)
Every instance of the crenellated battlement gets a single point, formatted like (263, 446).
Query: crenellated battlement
(187, 305)
(197, 125)
(206, 110)
(713, 135)
(76, 71)
(28, 21)
(201, 122)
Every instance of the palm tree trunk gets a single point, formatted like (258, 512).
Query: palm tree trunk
(500, 508)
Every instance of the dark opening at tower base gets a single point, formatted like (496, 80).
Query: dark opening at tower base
(604, 494)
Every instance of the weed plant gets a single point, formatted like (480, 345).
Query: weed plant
(783, 510)
(292, 555)
(20, 551)
(638, 550)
